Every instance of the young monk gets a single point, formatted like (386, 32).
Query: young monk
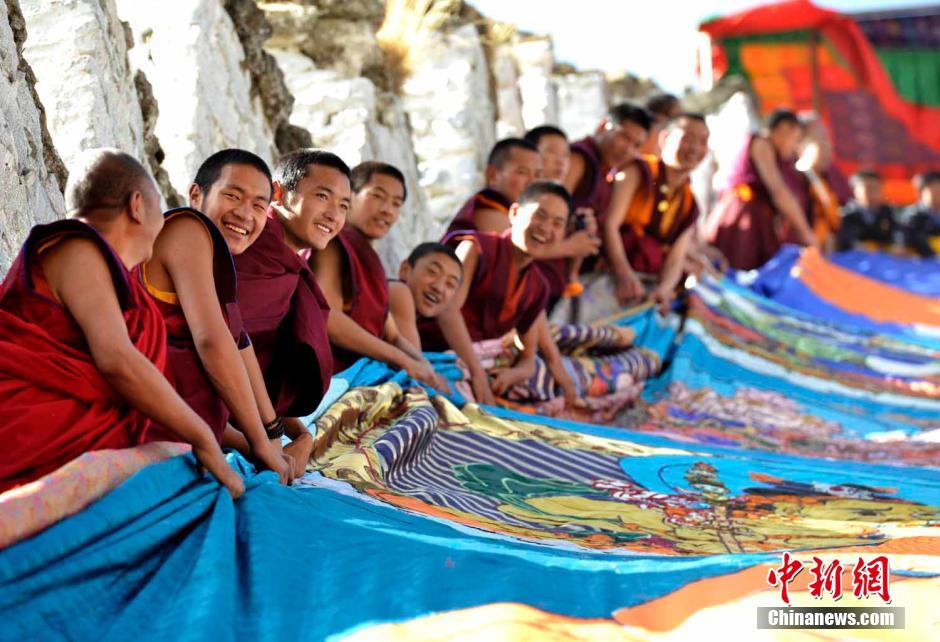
(555, 151)
(867, 220)
(501, 292)
(921, 222)
(616, 142)
(650, 222)
(353, 280)
(82, 346)
(191, 277)
(429, 279)
(766, 194)
(282, 306)
(828, 189)
(511, 167)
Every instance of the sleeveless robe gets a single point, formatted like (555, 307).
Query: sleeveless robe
(655, 220)
(365, 291)
(285, 314)
(55, 403)
(745, 225)
(501, 297)
(186, 372)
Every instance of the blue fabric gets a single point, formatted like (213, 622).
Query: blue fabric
(169, 556)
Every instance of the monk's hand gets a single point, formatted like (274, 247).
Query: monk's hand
(505, 379)
(570, 391)
(211, 457)
(629, 288)
(272, 457)
(582, 244)
(442, 384)
(662, 297)
(421, 371)
(590, 220)
(480, 384)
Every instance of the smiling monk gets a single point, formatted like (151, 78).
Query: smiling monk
(353, 279)
(283, 308)
(83, 349)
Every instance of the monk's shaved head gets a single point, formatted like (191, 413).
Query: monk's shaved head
(103, 179)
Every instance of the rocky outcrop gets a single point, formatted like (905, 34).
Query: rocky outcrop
(31, 171)
(267, 79)
(94, 100)
(582, 101)
(152, 147)
(505, 84)
(446, 97)
(535, 59)
(194, 59)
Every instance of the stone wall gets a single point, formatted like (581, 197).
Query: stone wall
(174, 81)
(191, 53)
(31, 173)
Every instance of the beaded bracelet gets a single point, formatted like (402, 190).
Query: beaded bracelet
(275, 429)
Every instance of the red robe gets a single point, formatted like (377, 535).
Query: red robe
(654, 222)
(285, 314)
(595, 187)
(365, 290)
(501, 297)
(555, 271)
(186, 371)
(745, 224)
(55, 404)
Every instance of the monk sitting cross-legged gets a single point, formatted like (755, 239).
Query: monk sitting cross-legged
(282, 306)
(192, 278)
(353, 279)
(82, 346)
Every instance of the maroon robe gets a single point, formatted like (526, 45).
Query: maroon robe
(285, 314)
(501, 297)
(654, 223)
(56, 405)
(745, 224)
(186, 372)
(365, 290)
(555, 271)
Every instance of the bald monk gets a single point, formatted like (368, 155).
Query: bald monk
(649, 225)
(828, 189)
(82, 346)
(353, 279)
(191, 277)
(766, 202)
(428, 281)
(502, 291)
(283, 309)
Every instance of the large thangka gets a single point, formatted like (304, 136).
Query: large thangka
(604, 488)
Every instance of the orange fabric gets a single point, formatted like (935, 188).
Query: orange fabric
(825, 204)
(859, 295)
(640, 211)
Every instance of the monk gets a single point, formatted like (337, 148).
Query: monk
(867, 220)
(766, 202)
(664, 108)
(428, 281)
(553, 146)
(191, 277)
(828, 189)
(283, 309)
(353, 279)
(512, 165)
(555, 150)
(921, 222)
(650, 222)
(82, 346)
(502, 291)
(617, 141)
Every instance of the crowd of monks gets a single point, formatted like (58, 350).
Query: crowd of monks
(221, 324)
